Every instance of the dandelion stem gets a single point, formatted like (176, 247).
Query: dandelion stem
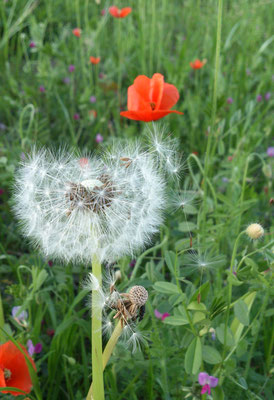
(108, 350)
(96, 336)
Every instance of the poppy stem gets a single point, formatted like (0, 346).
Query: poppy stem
(96, 337)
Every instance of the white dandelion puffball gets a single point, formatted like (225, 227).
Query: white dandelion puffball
(74, 208)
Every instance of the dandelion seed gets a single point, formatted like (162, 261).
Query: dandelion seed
(204, 261)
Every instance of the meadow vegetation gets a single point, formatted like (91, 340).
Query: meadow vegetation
(209, 275)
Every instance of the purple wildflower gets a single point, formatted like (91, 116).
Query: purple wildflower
(207, 382)
(259, 98)
(66, 80)
(71, 68)
(229, 100)
(19, 314)
(32, 45)
(2, 191)
(33, 349)
(270, 151)
(161, 316)
(92, 99)
(132, 263)
(76, 116)
(248, 72)
(99, 138)
(2, 127)
(50, 263)
(42, 89)
(267, 96)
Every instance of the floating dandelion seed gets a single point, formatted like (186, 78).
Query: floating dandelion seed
(202, 261)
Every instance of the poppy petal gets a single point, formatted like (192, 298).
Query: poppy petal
(114, 11)
(156, 90)
(170, 97)
(2, 379)
(138, 94)
(147, 116)
(125, 11)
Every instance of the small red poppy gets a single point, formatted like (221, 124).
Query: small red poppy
(94, 60)
(13, 368)
(77, 32)
(117, 13)
(197, 64)
(150, 99)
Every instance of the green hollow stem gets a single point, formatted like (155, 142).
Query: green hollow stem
(108, 351)
(96, 337)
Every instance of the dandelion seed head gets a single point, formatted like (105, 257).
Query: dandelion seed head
(73, 209)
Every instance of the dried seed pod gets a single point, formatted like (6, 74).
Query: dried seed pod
(138, 295)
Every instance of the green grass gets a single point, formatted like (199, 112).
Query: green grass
(233, 187)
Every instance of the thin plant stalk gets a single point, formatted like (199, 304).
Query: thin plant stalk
(229, 289)
(2, 320)
(213, 113)
(96, 337)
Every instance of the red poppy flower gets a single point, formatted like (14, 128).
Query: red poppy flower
(116, 13)
(77, 32)
(13, 368)
(197, 64)
(94, 60)
(150, 99)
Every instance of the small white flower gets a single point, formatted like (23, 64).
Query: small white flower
(73, 208)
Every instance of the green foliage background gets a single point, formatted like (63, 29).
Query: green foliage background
(158, 36)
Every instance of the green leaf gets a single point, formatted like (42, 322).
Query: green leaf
(211, 355)
(236, 326)
(233, 279)
(217, 393)
(220, 331)
(166, 287)
(241, 312)
(194, 305)
(170, 259)
(176, 320)
(193, 358)
(187, 227)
